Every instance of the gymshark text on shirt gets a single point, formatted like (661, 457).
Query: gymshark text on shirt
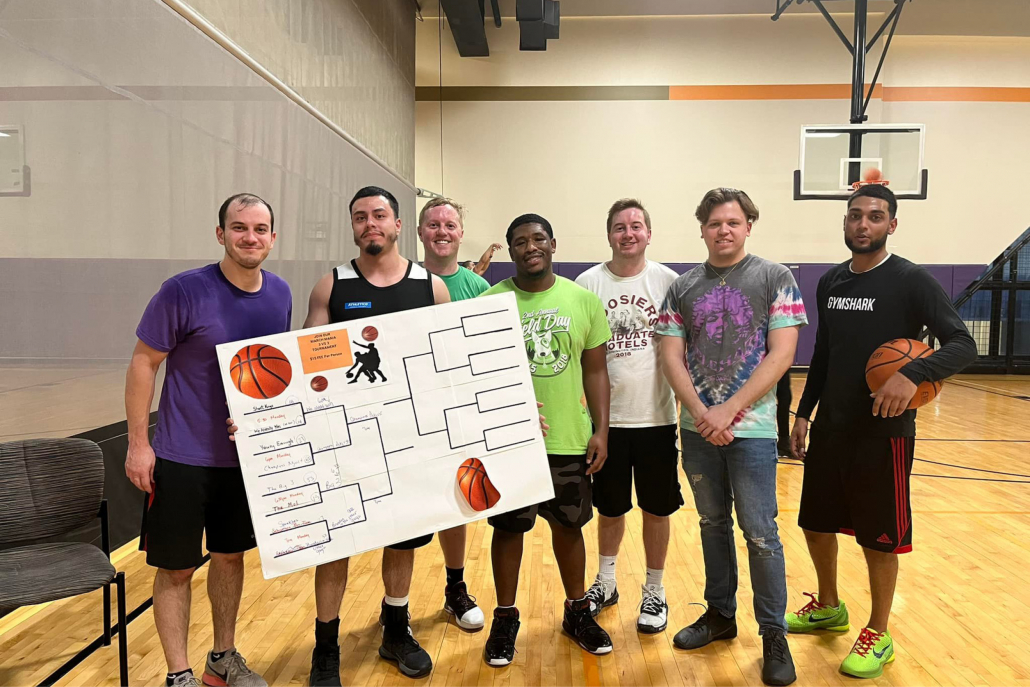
(835, 303)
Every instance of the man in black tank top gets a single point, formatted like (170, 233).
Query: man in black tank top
(378, 282)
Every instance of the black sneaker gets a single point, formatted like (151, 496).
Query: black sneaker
(777, 665)
(400, 646)
(581, 626)
(325, 666)
(708, 628)
(783, 448)
(463, 607)
(500, 645)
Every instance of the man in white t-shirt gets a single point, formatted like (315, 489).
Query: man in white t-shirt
(642, 437)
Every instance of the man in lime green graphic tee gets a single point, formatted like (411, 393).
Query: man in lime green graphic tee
(441, 226)
(565, 332)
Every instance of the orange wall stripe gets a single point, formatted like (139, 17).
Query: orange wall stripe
(815, 91)
(972, 94)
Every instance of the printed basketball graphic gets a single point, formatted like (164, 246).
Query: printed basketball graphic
(260, 371)
(891, 357)
(369, 333)
(320, 383)
(475, 485)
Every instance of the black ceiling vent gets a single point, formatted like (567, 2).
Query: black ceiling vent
(539, 20)
(465, 18)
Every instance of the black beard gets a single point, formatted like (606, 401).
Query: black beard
(373, 249)
(871, 248)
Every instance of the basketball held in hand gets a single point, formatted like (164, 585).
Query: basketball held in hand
(891, 357)
(475, 485)
(260, 371)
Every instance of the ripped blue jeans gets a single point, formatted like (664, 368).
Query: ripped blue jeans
(745, 472)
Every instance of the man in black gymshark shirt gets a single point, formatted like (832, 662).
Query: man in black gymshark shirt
(378, 282)
(858, 465)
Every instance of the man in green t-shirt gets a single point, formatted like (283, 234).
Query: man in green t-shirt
(565, 332)
(441, 228)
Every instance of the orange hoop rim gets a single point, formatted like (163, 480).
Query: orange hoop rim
(859, 184)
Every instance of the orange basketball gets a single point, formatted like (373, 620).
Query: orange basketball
(320, 383)
(369, 333)
(260, 371)
(476, 486)
(891, 357)
(872, 174)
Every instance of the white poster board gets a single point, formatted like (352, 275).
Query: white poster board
(352, 436)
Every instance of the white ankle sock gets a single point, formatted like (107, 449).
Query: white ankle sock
(655, 576)
(606, 567)
(396, 601)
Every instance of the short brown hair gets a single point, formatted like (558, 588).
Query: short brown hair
(721, 196)
(626, 204)
(440, 202)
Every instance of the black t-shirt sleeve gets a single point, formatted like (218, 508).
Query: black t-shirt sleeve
(820, 358)
(930, 306)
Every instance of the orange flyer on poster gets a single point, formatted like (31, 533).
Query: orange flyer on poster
(325, 351)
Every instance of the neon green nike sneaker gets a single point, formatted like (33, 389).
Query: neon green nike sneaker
(871, 653)
(818, 616)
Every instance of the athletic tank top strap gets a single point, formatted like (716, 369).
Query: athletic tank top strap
(354, 297)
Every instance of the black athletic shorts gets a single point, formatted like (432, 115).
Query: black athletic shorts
(570, 506)
(187, 501)
(416, 543)
(858, 485)
(646, 456)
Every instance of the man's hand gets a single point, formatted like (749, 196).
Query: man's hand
(716, 420)
(494, 247)
(543, 420)
(797, 438)
(231, 428)
(597, 452)
(139, 467)
(894, 396)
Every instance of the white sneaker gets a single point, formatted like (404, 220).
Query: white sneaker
(602, 594)
(463, 607)
(654, 612)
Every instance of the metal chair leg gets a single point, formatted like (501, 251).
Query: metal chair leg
(107, 614)
(123, 639)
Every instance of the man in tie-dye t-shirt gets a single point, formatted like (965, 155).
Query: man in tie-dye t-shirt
(728, 331)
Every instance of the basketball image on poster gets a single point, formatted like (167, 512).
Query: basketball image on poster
(475, 485)
(260, 371)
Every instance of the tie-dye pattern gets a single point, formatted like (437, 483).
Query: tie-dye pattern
(726, 328)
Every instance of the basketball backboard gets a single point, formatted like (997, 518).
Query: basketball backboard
(834, 157)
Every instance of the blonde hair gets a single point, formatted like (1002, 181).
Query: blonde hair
(440, 202)
(721, 196)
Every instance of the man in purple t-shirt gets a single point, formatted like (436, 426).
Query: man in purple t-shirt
(192, 472)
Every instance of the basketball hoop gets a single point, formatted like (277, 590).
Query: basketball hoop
(859, 184)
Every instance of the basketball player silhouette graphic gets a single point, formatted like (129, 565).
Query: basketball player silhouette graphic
(368, 362)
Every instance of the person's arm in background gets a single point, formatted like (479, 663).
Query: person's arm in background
(816, 379)
(933, 309)
(484, 260)
(140, 382)
(598, 391)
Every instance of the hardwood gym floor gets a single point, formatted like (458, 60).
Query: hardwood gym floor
(961, 616)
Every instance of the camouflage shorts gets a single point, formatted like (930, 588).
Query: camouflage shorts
(571, 505)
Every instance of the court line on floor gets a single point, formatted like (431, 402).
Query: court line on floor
(990, 390)
(797, 463)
